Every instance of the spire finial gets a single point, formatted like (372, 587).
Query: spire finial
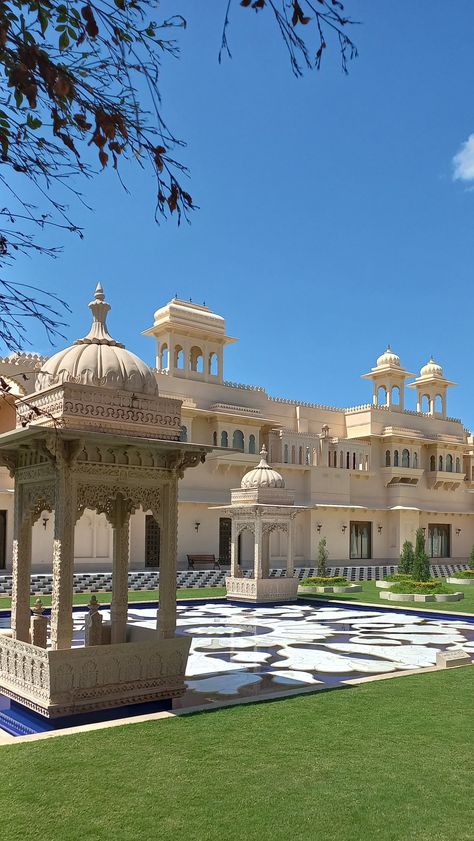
(98, 334)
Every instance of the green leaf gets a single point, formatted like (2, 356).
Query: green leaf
(43, 19)
(18, 99)
(33, 122)
(64, 41)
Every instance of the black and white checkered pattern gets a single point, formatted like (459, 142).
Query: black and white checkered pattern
(101, 582)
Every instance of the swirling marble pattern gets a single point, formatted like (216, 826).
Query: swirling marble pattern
(239, 651)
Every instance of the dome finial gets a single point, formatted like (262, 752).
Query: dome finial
(98, 334)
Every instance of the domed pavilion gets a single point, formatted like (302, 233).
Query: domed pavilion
(95, 434)
(262, 505)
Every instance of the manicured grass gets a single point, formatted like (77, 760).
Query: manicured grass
(133, 596)
(389, 760)
(370, 593)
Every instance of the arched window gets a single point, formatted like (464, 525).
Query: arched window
(293, 454)
(178, 357)
(183, 434)
(341, 459)
(387, 458)
(395, 395)
(432, 463)
(405, 458)
(224, 439)
(213, 365)
(366, 462)
(214, 438)
(300, 457)
(348, 464)
(440, 463)
(308, 455)
(285, 454)
(238, 439)
(354, 461)
(196, 362)
(438, 404)
(382, 395)
(395, 458)
(425, 404)
(251, 443)
(449, 463)
(164, 360)
(458, 465)
(415, 460)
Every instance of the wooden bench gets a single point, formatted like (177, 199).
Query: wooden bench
(202, 562)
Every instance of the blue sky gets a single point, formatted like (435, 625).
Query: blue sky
(330, 221)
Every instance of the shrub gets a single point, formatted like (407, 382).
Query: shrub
(471, 557)
(324, 581)
(407, 558)
(429, 587)
(465, 573)
(399, 576)
(323, 556)
(421, 564)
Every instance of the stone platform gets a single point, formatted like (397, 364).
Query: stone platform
(63, 682)
(262, 589)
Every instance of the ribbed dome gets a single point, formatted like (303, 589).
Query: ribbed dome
(431, 369)
(263, 476)
(388, 358)
(98, 359)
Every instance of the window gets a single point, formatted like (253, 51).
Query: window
(308, 455)
(449, 463)
(224, 439)
(214, 438)
(164, 358)
(238, 439)
(184, 434)
(213, 365)
(252, 444)
(353, 461)
(432, 463)
(382, 395)
(438, 404)
(225, 526)
(293, 454)
(360, 536)
(458, 465)
(300, 457)
(440, 463)
(415, 460)
(285, 454)
(178, 357)
(395, 458)
(425, 404)
(341, 459)
(196, 362)
(405, 458)
(395, 396)
(439, 541)
(348, 464)
(152, 542)
(387, 458)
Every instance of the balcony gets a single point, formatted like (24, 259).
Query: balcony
(396, 476)
(442, 479)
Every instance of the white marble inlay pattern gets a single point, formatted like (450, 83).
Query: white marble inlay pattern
(290, 676)
(223, 685)
(251, 657)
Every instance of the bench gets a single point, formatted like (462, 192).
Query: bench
(202, 562)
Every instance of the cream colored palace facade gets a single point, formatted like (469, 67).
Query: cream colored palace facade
(367, 476)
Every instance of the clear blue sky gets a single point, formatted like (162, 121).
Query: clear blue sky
(330, 221)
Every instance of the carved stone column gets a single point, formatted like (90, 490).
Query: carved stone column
(234, 550)
(266, 552)
(168, 560)
(119, 606)
(290, 555)
(21, 569)
(65, 512)
(39, 626)
(93, 624)
(257, 558)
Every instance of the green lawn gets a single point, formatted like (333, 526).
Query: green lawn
(389, 760)
(371, 593)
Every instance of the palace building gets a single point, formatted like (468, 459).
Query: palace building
(365, 477)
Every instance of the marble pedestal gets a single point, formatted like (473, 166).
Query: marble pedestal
(262, 589)
(60, 682)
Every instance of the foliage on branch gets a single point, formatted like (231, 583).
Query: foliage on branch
(79, 92)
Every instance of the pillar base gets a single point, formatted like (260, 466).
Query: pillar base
(57, 683)
(262, 589)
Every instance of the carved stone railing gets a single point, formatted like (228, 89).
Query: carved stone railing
(262, 589)
(56, 683)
